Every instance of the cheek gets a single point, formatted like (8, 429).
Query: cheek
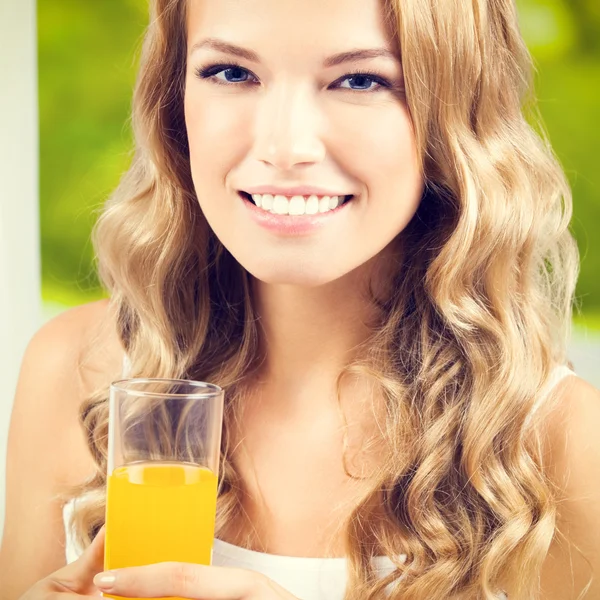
(212, 129)
(385, 158)
(396, 144)
(398, 162)
(382, 146)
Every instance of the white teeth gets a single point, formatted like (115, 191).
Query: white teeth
(312, 205)
(267, 201)
(281, 206)
(297, 205)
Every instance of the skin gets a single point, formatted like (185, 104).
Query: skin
(290, 128)
(297, 123)
(288, 120)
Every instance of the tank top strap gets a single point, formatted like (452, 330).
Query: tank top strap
(126, 369)
(556, 376)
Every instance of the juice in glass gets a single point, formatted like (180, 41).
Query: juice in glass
(159, 511)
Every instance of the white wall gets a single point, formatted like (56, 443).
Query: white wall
(19, 230)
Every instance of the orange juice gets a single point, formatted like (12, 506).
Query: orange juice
(158, 512)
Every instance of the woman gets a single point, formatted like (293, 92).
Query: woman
(338, 212)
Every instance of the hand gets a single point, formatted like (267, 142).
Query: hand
(74, 581)
(186, 580)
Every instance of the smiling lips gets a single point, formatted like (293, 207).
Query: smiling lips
(289, 220)
(280, 204)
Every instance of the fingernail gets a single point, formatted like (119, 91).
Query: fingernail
(105, 580)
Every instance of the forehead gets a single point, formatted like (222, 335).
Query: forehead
(289, 24)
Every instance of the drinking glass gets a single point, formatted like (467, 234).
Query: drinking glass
(164, 438)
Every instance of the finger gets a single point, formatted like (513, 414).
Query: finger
(78, 575)
(196, 582)
(69, 596)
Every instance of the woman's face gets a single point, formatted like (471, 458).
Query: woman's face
(294, 113)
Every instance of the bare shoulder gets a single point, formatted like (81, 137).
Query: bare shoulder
(574, 467)
(84, 337)
(65, 362)
(573, 429)
(68, 359)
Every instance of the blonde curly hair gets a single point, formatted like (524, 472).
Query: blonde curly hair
(479, 316)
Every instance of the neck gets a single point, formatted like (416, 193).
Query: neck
(310, 334)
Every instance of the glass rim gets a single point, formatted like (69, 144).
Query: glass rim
(212, 390)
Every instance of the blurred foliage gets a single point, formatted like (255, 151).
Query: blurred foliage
(87, 60)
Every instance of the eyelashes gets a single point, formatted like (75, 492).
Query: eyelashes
(210, 72)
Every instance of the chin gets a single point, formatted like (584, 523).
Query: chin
(285, 275)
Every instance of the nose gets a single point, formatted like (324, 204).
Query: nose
(287, 128)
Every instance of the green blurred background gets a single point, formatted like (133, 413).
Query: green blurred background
(87, 60)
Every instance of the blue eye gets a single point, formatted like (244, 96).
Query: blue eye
(236, 74)
(370, 78)
(232, 73)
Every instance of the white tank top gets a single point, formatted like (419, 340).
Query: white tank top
(305, 578)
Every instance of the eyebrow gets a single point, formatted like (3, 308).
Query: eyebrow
(332, 61)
